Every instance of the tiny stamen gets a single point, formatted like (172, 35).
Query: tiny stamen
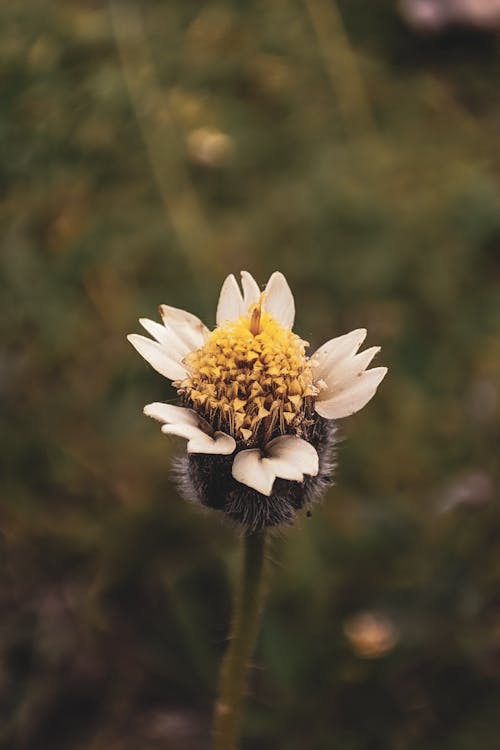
(255, 320)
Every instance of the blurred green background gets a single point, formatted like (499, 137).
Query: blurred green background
(148, 149)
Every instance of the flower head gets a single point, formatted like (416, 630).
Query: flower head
(256, 411)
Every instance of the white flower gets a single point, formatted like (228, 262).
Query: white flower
(249, 389)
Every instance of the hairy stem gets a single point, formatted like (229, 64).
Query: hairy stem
(248, 605)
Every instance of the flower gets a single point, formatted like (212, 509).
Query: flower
(257, 412)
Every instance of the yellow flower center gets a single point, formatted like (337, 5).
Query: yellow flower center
(251, 379)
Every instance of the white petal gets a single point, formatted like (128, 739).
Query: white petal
(189, 329)
(172, 344)
(278, 300)
(300, 455)
(187, 424)
(220, 444)
(199, 441)
(156, 356)
(346, 370)
(287, 457)
(251, 291)
(251, 469)
(181, 429)
(334, 351)
(354, 397)
(168, 413)
(176, 317)
(230, 305)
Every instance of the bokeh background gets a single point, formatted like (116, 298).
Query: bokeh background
(148, 149)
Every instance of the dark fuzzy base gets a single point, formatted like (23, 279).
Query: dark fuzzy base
(207, 479)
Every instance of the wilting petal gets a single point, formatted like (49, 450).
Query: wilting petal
(157, 357)
(286, 457)
(351, 399)
(181, 429)
(199, 441)
(251, 469)
(300, 455)
(334, 351)
(346, 370)
(220, 444)
(230, 306)
(188, 424)
(189, 329)
(278, 300)
(168, 413)
(172, 344)
(251, 291)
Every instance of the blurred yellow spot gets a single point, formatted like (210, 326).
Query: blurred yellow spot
(209, 147)
(371, 635)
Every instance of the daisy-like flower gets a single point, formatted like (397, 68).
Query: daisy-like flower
(258, 414)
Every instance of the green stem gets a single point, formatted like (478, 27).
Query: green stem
(248, 605)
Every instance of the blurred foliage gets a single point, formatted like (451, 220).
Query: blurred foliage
(147, 150)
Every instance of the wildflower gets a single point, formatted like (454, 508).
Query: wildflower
(257, 412)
